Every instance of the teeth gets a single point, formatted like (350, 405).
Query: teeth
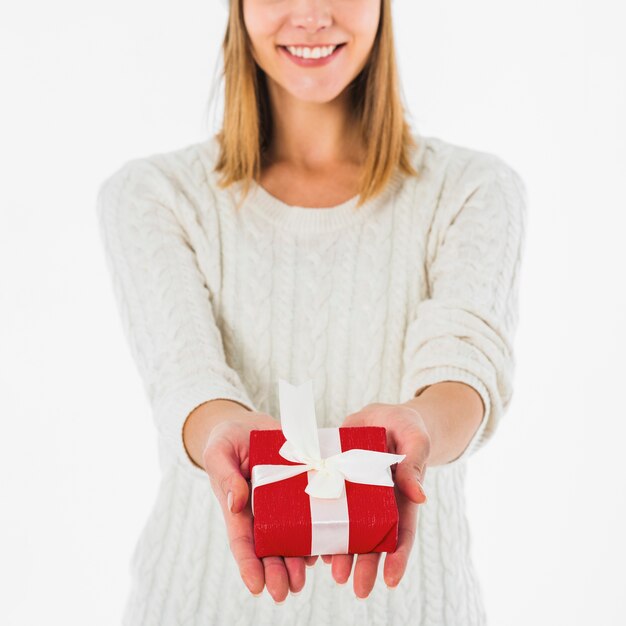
(311, 53)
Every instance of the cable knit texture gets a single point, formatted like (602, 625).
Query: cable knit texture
(418, 286)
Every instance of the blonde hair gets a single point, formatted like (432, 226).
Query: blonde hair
(374, 95)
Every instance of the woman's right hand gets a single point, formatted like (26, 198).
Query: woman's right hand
(226, 461)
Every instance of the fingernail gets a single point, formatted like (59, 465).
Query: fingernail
(277, 602)
(229, 501)
(295, 593)
(360, 598)
(256, 595)
(419, 482)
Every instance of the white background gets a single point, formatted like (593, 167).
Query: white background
(88, 85)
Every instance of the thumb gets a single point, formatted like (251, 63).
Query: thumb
(222, 464)
(410, 473)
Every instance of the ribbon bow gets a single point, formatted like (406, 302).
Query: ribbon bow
(299, 426)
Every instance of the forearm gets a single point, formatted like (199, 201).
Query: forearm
(201, 420)
(452, 412)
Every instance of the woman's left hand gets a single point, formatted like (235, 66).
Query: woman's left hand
(406, 434)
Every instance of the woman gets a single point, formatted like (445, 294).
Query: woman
(316, 236)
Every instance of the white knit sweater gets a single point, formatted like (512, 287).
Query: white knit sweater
(419, 285)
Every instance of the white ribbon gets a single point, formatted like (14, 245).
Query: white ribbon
(327, 475)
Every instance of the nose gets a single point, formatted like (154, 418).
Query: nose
(311, 15)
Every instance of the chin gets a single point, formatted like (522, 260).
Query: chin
(315, 93)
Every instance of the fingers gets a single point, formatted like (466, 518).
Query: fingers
(407, 435)
(231, 489)
(396, 562)
(341, 567)
(284, 574)
(409, 475)
(365, 572)
(276, 577)
(327, 558)
(296, 572)
(310, 561)
(240, 534)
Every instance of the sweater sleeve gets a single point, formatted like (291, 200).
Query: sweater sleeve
(163, 300)
(463, 331)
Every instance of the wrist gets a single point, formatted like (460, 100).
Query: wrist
(201, 421)
(452, 412)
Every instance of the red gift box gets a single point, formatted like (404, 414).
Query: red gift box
(283, 524)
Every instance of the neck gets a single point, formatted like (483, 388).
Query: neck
(312, 135)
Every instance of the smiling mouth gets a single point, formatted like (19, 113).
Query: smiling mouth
(307, 58)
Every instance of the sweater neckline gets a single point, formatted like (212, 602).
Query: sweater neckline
(314, 219)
